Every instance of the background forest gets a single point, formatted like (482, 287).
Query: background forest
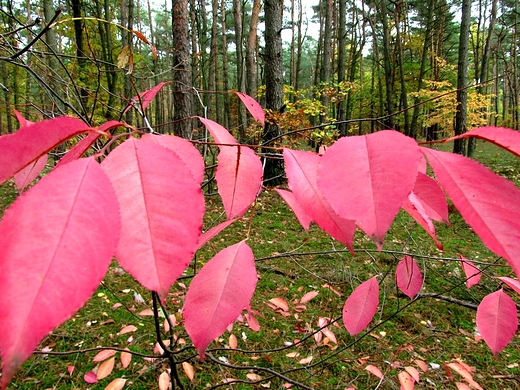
(369, 65)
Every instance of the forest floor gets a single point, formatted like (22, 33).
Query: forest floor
(291, 263)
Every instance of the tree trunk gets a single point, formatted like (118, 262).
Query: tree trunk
(237, 13)
(182, 98)
(225, 67)
(252, 47)
(342, 62)
(127, 20)
(387, 65)
(326, 59)
(400, 58)
(422, 71)
(459, 145)
(274, 84)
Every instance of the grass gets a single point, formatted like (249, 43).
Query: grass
(292, 262)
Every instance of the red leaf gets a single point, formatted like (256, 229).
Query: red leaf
(368, 178)
(182, 148)
(488, 202)
(408, 276)
(514, 284)
(164, 381)
(84, 144)
(472, 273)
(417, 211)
(432, 198)
(497, 320)
(253, 107)
(30, 172)
(218, 132)
(218, 293)
(33, 141)
(141, 36)
(239, 172)
(90, 377)
(57, 241)
(361, 306)
(462, 371)
(505, 138)
(301, 168)
(161, 212)
(23, 122)
(297, 209)
(215, 230)
(142, 100)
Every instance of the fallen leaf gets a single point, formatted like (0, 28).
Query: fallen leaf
(103, 355)
(233, 342)
(253, 377)
(126, 358)
(306, 360)
(127, 329)
(116, 384)
(146, 312)
(413, 373)
(374, 370)
(188, 370)
(280, 303)
(70, 369)
(309, 296)
(90, 377)
(406, 381)
(105, 369)
(422, 365)
(164, 381)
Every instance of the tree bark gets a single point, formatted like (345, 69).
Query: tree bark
(459, 145)
(182, 97)
(387, 65)
(252, 47)
(274, 84)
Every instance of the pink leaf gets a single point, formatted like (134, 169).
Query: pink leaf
(164, 381)
(33, 141)
(239, 171)
(57, 237)
(105, 369)
(408, 276)
(417, 211)
(414, 373)
(309, 296)
(126, 358)
(218, 294)
(361, 306)
(497, 320)
(406, 381)
(505, 138)
(462, 386)
(218, 132)
(472, 273)
(142, 100)
(116, 384)
(301, 168)
(161, 212)
(103, 355)
(432, 198)
(84, 144)
(297, 209)
(23, 122)
(30, 172)
(368, 178)
(215, 230)
(514, 284)
(462, 371)
(489, 205)
(280, 303)
(253, 107)
(182, 148)
(90, 377)
(374, 371)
